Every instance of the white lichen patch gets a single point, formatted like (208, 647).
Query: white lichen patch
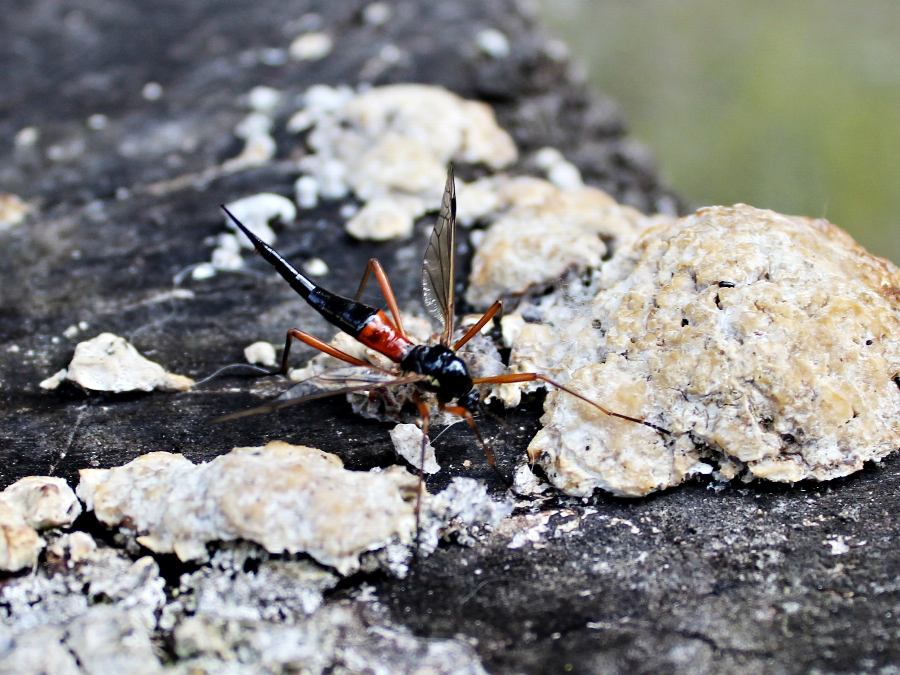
(316, 267)
(43, 501)
(385, 218)
(538, 233)
(526, 483)
(759, 340)
(528, 529)
(73, 548)
(558, 170)
(257, 212)
(13, 210)
(344, 638)
(306, 192)
(256, 130)
(837, 544)
(92, 611)
(54, 380)
(259, 146)
(464, 509)
(534, 349)
(493, 43)
(26, 137)
(407, 440)
(582, 449)
(152, 91)
(287, 498)
(264, 99)
(30, 504)
(97, 611)
(102, 639)
(311, 46)
(261, 354)
(111, 363)
(277, 590)
(377, 13)
(389, 143)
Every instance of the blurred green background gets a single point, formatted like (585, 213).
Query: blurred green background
(790, 105)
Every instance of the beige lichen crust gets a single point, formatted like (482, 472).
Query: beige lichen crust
(12, 210)
(287, 498)
(390, 147)
(757, 339)
(30, 504)
(109, 362)
(539, 232)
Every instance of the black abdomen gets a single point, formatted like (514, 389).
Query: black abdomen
(348, 315)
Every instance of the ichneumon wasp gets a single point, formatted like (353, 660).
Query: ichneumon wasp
(434, 368)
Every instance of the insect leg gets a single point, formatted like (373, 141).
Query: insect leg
(510, 378)
(316, 343)
(459, 411)
(374, 267)
(473, 331)
(426, 418)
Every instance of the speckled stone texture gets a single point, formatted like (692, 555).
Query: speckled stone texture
(748, 579)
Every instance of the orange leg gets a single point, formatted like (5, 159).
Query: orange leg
(459, 411)
(316, 343)
(510, 378)
(473, 331)
(374, 267)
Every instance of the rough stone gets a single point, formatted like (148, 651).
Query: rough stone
(731, 579)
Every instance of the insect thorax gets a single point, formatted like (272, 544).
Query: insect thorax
(447, 374)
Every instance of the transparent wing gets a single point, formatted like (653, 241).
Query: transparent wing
(330, 383)
(439, 265)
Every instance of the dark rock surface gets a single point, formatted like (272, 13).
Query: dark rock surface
(692, 580)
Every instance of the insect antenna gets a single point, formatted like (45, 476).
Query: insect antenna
(511, 378)
(425, 416)
(236, 368)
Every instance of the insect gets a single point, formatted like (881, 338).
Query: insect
(435, 368)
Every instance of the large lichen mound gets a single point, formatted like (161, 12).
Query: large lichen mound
(762, 342)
